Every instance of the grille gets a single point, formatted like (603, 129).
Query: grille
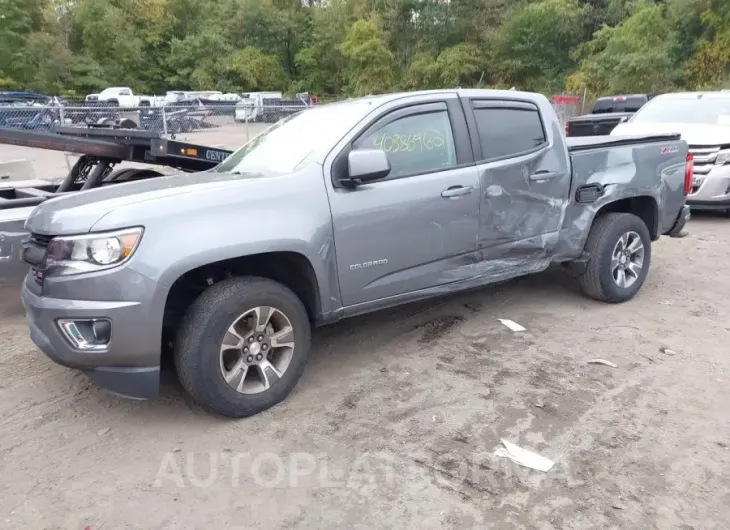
(704, 161)
(40, 240)
(34, 253)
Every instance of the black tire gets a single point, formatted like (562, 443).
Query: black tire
(197, 346)
(139, 174)
(126, 123)
(597, 279)
(117, 174)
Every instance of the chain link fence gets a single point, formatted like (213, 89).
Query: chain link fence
(567, 107)
(172, 119)
(166, 120)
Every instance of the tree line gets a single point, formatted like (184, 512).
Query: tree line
(355, 47)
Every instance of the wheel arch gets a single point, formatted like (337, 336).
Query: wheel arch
(645, 207)
(580, 218)
(290, 268)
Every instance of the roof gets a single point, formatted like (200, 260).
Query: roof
(467, 92)
(716, 94)
(623, 96)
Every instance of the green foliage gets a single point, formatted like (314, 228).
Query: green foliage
(253, 69)
(20, 19)
(639, 55)
(354, 47)
(369, 65)
(532, 47)
(710, 65)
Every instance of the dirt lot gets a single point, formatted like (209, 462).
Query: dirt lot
(395, 420)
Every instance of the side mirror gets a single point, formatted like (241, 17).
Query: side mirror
(367, 165)
(623, 119)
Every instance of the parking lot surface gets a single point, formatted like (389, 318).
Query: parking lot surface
(397, 416)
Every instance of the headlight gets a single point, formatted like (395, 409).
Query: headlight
(68, 255)
(723, 157)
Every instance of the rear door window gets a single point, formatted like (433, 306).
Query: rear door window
(508, 129)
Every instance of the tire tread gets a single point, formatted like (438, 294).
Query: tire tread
(190, 340)
(599, 243)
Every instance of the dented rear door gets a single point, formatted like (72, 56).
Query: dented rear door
(525, 180)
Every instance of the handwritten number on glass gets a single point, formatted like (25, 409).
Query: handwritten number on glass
(428, 140)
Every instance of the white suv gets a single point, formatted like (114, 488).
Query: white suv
(703, 120)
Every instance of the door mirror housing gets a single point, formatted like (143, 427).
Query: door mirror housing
(623, 119)
(366, 165)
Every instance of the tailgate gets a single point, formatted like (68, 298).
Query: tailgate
(594, 124)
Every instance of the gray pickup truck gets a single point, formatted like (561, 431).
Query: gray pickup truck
(337, 211)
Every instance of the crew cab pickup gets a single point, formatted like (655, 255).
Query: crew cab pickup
(606, 114)
(340, 210)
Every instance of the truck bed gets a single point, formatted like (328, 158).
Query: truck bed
(582, 143)
(648, 168)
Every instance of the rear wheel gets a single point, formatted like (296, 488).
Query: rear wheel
(242, 346)
(619, 255)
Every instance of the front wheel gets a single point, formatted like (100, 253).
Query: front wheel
(242, 346)
(619, 255)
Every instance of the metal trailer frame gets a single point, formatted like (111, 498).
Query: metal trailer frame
(101, 147)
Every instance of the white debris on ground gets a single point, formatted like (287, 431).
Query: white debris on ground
(523, 457)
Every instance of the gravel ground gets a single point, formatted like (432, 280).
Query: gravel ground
(397, 416)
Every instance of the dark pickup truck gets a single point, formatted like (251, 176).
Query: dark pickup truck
(606, 114)
(337, 211)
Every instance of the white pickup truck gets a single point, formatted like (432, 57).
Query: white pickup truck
(121, 97)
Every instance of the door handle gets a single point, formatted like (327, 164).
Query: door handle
(544, 175)
(456, 191)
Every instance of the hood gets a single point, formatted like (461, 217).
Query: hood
(76, 213)
(693, 133)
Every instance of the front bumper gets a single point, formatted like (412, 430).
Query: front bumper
(129, 366)
(713, 191)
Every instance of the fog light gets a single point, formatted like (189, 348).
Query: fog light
(102, 330)
(89, 334)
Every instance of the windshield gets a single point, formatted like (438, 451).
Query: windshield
(707, 111)
(283, 146)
